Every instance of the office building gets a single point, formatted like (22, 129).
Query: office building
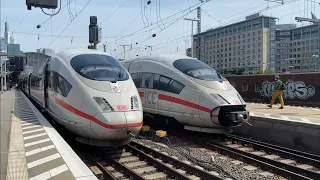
(13, 49)
(297, 48)
(3, 45)
(244, 46)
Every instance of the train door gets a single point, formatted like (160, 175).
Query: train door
(46, 83)
(29, 84)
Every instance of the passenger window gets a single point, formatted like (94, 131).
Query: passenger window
(49, 79)
(164, 82)
(156, 84)
(63, 87)
(135, 79)
(147, 80)
(54, 80)
(175, 87)
(139, 76)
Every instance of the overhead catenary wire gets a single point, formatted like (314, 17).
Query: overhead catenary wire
(22, 20)
(41, 24)
(114, 11)
(69, 23)
(174, 21)
(180, 38)
(141, 31)
(54, 13)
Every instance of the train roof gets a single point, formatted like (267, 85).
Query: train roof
(65, 54)
(163, 58)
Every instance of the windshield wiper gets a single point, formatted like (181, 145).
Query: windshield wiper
(118, 77)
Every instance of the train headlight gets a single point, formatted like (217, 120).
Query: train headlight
(103, 104)
(134, 103)
(219, 98)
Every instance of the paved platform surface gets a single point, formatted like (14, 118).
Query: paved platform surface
(32, 147)
(6, 104)
(289, 113)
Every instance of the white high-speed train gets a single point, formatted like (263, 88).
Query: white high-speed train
(89, 93)
(183, 89)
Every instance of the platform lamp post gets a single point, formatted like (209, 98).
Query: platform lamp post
(194, 19)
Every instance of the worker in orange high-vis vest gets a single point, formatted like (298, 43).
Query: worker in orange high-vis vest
(278, 91)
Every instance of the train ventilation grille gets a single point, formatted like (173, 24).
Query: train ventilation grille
(107, 103)
(131, 102)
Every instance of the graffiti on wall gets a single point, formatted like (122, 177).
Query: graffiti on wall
(293, 90)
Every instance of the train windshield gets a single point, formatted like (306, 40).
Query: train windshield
(197, 69)
(99, 67)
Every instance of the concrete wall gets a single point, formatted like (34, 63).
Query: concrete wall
(292, 134)
(301, 88)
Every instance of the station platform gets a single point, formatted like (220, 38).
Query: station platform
(31, 148)
(289, 113)
(294, 126)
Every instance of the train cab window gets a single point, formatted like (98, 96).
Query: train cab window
(244, 86)
(99, 67)
(197, 69)
(147, 80)
(175, 87)
(163, 83)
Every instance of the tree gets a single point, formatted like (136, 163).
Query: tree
(318, 70)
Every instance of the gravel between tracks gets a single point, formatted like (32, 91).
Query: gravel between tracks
(201, 158)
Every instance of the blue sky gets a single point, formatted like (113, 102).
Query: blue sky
(173, 39)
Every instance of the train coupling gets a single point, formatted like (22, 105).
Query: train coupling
(239, 116)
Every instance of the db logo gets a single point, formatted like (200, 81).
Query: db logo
(236, 102)
(122, 107)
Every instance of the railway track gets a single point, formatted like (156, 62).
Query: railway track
(285, 162)
(137, 161)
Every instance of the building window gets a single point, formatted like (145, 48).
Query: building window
(244, 86)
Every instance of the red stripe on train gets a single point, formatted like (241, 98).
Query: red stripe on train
(180, 101)
(183, 102)
(92, 118)
(141, 94)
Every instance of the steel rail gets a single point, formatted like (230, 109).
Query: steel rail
(263, 163)
(159, 165)
(297, 152)
(105, 172)
(187, 167)
(119, 166)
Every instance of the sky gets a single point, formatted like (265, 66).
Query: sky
(121, 21)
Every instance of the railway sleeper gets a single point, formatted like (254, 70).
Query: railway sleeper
(264, 163)
(288, 159)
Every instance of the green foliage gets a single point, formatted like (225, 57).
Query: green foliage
(318, 70)
(259, 72)
(268, 71)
